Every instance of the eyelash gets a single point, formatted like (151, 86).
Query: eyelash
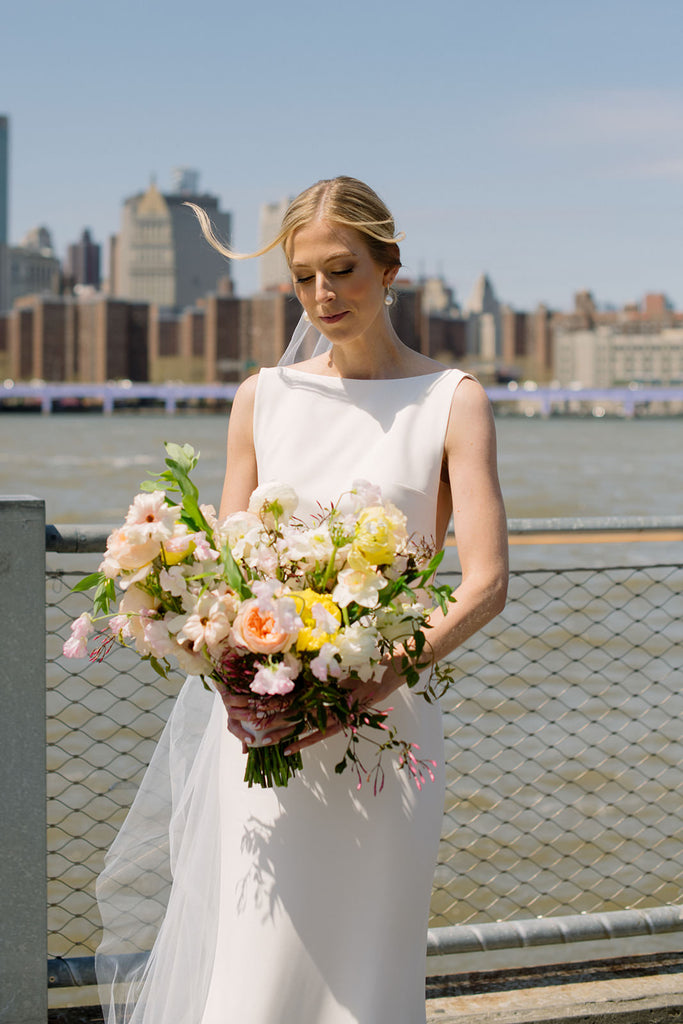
(335, 273)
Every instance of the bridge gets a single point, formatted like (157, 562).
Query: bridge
(543, 401)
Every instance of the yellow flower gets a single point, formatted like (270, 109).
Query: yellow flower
(321, 618)
(378, 535)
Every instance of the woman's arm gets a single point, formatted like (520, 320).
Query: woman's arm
(241, 476)
(480, 528)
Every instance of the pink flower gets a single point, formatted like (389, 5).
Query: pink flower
(274, 679)
(77, 644)
(127, 551)
(152, 515)
(325, 664)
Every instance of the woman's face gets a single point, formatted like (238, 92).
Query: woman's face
(336, 279)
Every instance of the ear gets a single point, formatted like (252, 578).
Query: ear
(389, 276)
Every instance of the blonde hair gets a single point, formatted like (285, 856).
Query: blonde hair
(345, 201)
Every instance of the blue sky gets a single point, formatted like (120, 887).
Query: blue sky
(538, 140)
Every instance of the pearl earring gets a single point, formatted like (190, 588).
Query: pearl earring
(389, 297)
(306, 317)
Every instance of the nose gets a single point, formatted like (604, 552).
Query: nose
(323, 289)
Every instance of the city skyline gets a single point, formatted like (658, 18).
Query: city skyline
(539, 143)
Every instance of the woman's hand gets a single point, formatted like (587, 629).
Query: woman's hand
(240, 709)
(367, 695)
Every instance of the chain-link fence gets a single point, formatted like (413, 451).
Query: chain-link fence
(563, 742)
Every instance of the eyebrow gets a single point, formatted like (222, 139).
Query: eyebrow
(335, 256)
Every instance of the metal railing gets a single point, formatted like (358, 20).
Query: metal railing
(563, 743)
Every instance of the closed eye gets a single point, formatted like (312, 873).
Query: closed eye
(303, 280)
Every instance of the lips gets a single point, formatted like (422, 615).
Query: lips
(334, 319)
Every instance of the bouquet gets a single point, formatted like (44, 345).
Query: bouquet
(285, 613)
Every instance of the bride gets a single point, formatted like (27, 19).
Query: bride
(308, 905)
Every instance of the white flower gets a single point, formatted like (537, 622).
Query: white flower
(358, 585)
(152, 517)
(273, 503)
(396, 623)
(173, 581)
(208, 623)
(325, 664)
(358, 647)
(364, 493)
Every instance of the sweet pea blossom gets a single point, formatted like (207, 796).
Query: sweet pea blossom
(274, 679)
(77, 644)
(363, 493)
(325, 663)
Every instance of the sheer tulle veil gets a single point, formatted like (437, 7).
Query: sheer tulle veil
(159, 911)
(306, 342)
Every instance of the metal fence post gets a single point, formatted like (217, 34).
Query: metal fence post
(23, 924)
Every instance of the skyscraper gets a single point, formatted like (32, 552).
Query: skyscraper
(4, 178)
(4, 205)
(161, 255)
(83, 261)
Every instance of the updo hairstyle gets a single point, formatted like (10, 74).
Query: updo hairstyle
(341, 200)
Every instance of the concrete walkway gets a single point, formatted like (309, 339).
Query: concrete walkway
(611, 995)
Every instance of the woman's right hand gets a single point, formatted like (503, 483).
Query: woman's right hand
(279, 727)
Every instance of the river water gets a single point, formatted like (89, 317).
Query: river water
(87, 467)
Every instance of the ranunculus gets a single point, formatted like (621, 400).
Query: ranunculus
(321, 618)
(273, 503)
(256, 627)
(380, 531)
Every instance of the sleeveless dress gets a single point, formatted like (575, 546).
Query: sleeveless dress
(306, 904)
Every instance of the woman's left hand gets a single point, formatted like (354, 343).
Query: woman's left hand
(368, 695)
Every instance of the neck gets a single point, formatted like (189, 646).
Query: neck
(376, 355)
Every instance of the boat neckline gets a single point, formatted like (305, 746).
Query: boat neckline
(362, 380)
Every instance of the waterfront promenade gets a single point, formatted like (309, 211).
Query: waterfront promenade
(530, 399)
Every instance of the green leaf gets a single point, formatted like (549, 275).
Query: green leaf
(234, 575)
(88, 582)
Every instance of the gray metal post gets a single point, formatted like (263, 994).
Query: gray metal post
(23, 916)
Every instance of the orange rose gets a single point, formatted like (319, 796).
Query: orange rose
(258, 631)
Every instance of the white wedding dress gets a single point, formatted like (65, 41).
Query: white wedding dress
(308, 904)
